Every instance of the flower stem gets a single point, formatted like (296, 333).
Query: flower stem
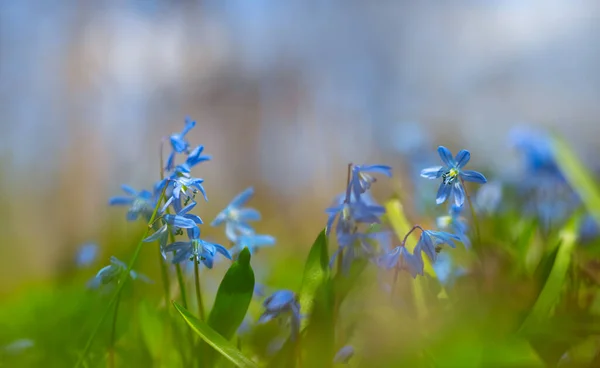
(111, 346)
(121, 282)
(198, 291)
(473, 214)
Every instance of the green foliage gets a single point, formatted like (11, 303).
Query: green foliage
(214, 339)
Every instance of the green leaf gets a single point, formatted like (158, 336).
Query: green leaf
(551, 291)
(233, 297)
(578, 177)
(319, 336)
(232, 300)
(214, 339)
(316, 271)
(317, 299)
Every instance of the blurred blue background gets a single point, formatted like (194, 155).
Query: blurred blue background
(285, 95)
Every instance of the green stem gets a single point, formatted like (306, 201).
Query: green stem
(121, 282)
(198, 291)
(473, 214)
(113, 333)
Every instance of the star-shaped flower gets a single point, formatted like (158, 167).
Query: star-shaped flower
(236, 217)
(453, 175)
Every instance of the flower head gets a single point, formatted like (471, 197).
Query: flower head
(283, 303)
(431, 241)
(140, 203)
(178, 143)
(452, 175)
(182, 219)
(113, 272)
(194, 158)
(361, 179)
(236, 217)
(401, 258)
(196, 249)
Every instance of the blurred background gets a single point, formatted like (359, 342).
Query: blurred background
(285, 95)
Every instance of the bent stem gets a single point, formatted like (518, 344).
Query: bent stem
(111, 346)
(121, 282)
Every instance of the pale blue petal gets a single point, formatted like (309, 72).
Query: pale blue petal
(443, 193)
(129, 190)
(432, 172)
(120, 201)
(462, 158)
(249, 214)
(473, 176)
(459, 193)
(446, 156)
(241, 199)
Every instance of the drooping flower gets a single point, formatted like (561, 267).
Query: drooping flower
(196, 249)
(452, 175)
(456, 224)
(401, 258)
(140, 203)
(236, 217)
(430, 240)
(178, 143)
(361, 180)
(113, 273)
(194, 158)
(182, 219)
(283, 303)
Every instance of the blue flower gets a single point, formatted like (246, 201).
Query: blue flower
(182, 219)
(349, 214)
(253, 242)
(431, 240)
(140, 203)
(536, 148)
(283, 303)
(86, 255)
(178, 143)
(361, 180)
(236, 217)
(401, 258)
(196, 249)
(452, 175)
(456, 224)
(182, 183)
(113, 272)
(194, 158)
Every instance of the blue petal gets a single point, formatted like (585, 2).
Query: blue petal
(193, 233)
(221, 217)
(129, 190)
(443, 193)
(279, 300)
(221, 249)
(179, 221)
(459, 193)
(189, 124)
(380, 169)
(432, 172)
(344, 355)
(446, 156)
(248, 214)
(390, 259)
(330, 221)
(473, 176)
(181, 256)
(179, 145)
(120, 201)
(243, 197)
(194, 218)
(231, 231)
(462, 158)
(160, 232)
(170, 161)
(427, 246)
(187, 208)
(177, 246)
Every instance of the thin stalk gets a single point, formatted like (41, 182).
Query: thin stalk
(201, 313)
(113, 333)
(121, 283)
(473, 215)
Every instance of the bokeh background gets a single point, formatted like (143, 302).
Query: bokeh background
(285, 94)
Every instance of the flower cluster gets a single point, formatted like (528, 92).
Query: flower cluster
(354, 208)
